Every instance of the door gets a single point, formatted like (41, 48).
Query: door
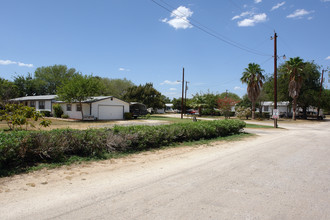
(111, 112)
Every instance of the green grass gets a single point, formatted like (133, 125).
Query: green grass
(78, 160)
(170, 119)
(258, 126)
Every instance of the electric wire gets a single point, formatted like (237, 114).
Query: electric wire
(210, 31)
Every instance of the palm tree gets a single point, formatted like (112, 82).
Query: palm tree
(253, 77)
(294, 68)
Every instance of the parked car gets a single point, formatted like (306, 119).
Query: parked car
(311, 115)
(137, 109)
(191, 112)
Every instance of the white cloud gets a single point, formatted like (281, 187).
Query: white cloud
(299, 13)
(328, 58)
(277, 6)
(8, 62)
(173, 89)
(238, 88)
(123, 69)
(325, 0)
(168, 82)
(24, 64)
(257, 1)
(179, 18)
(249, 22)
(243, 14)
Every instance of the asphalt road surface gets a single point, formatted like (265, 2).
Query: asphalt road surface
(279, 174)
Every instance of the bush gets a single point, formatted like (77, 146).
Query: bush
(58, 111)
(64, 116)
(265, 115)
(47, 113)
(20, 149)
(128, 115)
(242, 112)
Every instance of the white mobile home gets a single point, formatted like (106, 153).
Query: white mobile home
(40, 102)
(99, 107)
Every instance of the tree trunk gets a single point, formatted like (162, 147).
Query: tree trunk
(253, 110)
(294, 105)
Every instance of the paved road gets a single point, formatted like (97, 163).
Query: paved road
(281, 174)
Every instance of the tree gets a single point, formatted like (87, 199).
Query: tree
(8, 90)
(26, 85)
(49, 78)
(225, 105)
(294, 70)
(78, 89)
(18, 115)
(145, 94)
(114, 87)
(310, 88)
(246, 103)
(253, 77)
(243, 112)
(199, 101)
(177, 103)
(325, 100)
(231, 95)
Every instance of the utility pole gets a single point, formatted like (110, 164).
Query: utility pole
(226, 93)
(275, 77)
(318, 109)
(185, 97)
(182, 93)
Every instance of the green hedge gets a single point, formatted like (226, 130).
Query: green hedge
(25, 148)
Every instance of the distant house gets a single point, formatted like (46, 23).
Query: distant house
(169, 108)
(40, 103)
(99, 107)
(283, 107)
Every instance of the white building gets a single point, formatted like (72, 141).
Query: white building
(100, 107)
(40, 103)
(283, 107)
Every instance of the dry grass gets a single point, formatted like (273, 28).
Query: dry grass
(65, 123)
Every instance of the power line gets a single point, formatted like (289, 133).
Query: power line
(209, 31)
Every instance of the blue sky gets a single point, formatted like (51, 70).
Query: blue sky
(142, 41)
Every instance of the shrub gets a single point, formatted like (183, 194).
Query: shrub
(20, 149)
(128, 115)
(242, 112)
(58, 111)
(47, 113)
(64, 116)
(18, 115)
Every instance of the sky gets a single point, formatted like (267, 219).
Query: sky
(153, 40)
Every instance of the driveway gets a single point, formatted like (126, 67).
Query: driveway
(283, 174)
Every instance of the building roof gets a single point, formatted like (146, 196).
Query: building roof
(53, 97)
(35, 98)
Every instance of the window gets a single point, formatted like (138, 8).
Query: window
(32, 104)
(78, 107)
(266, 108)
(41, 104)
(68, 107)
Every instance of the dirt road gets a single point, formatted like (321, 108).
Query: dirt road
(279, 174)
